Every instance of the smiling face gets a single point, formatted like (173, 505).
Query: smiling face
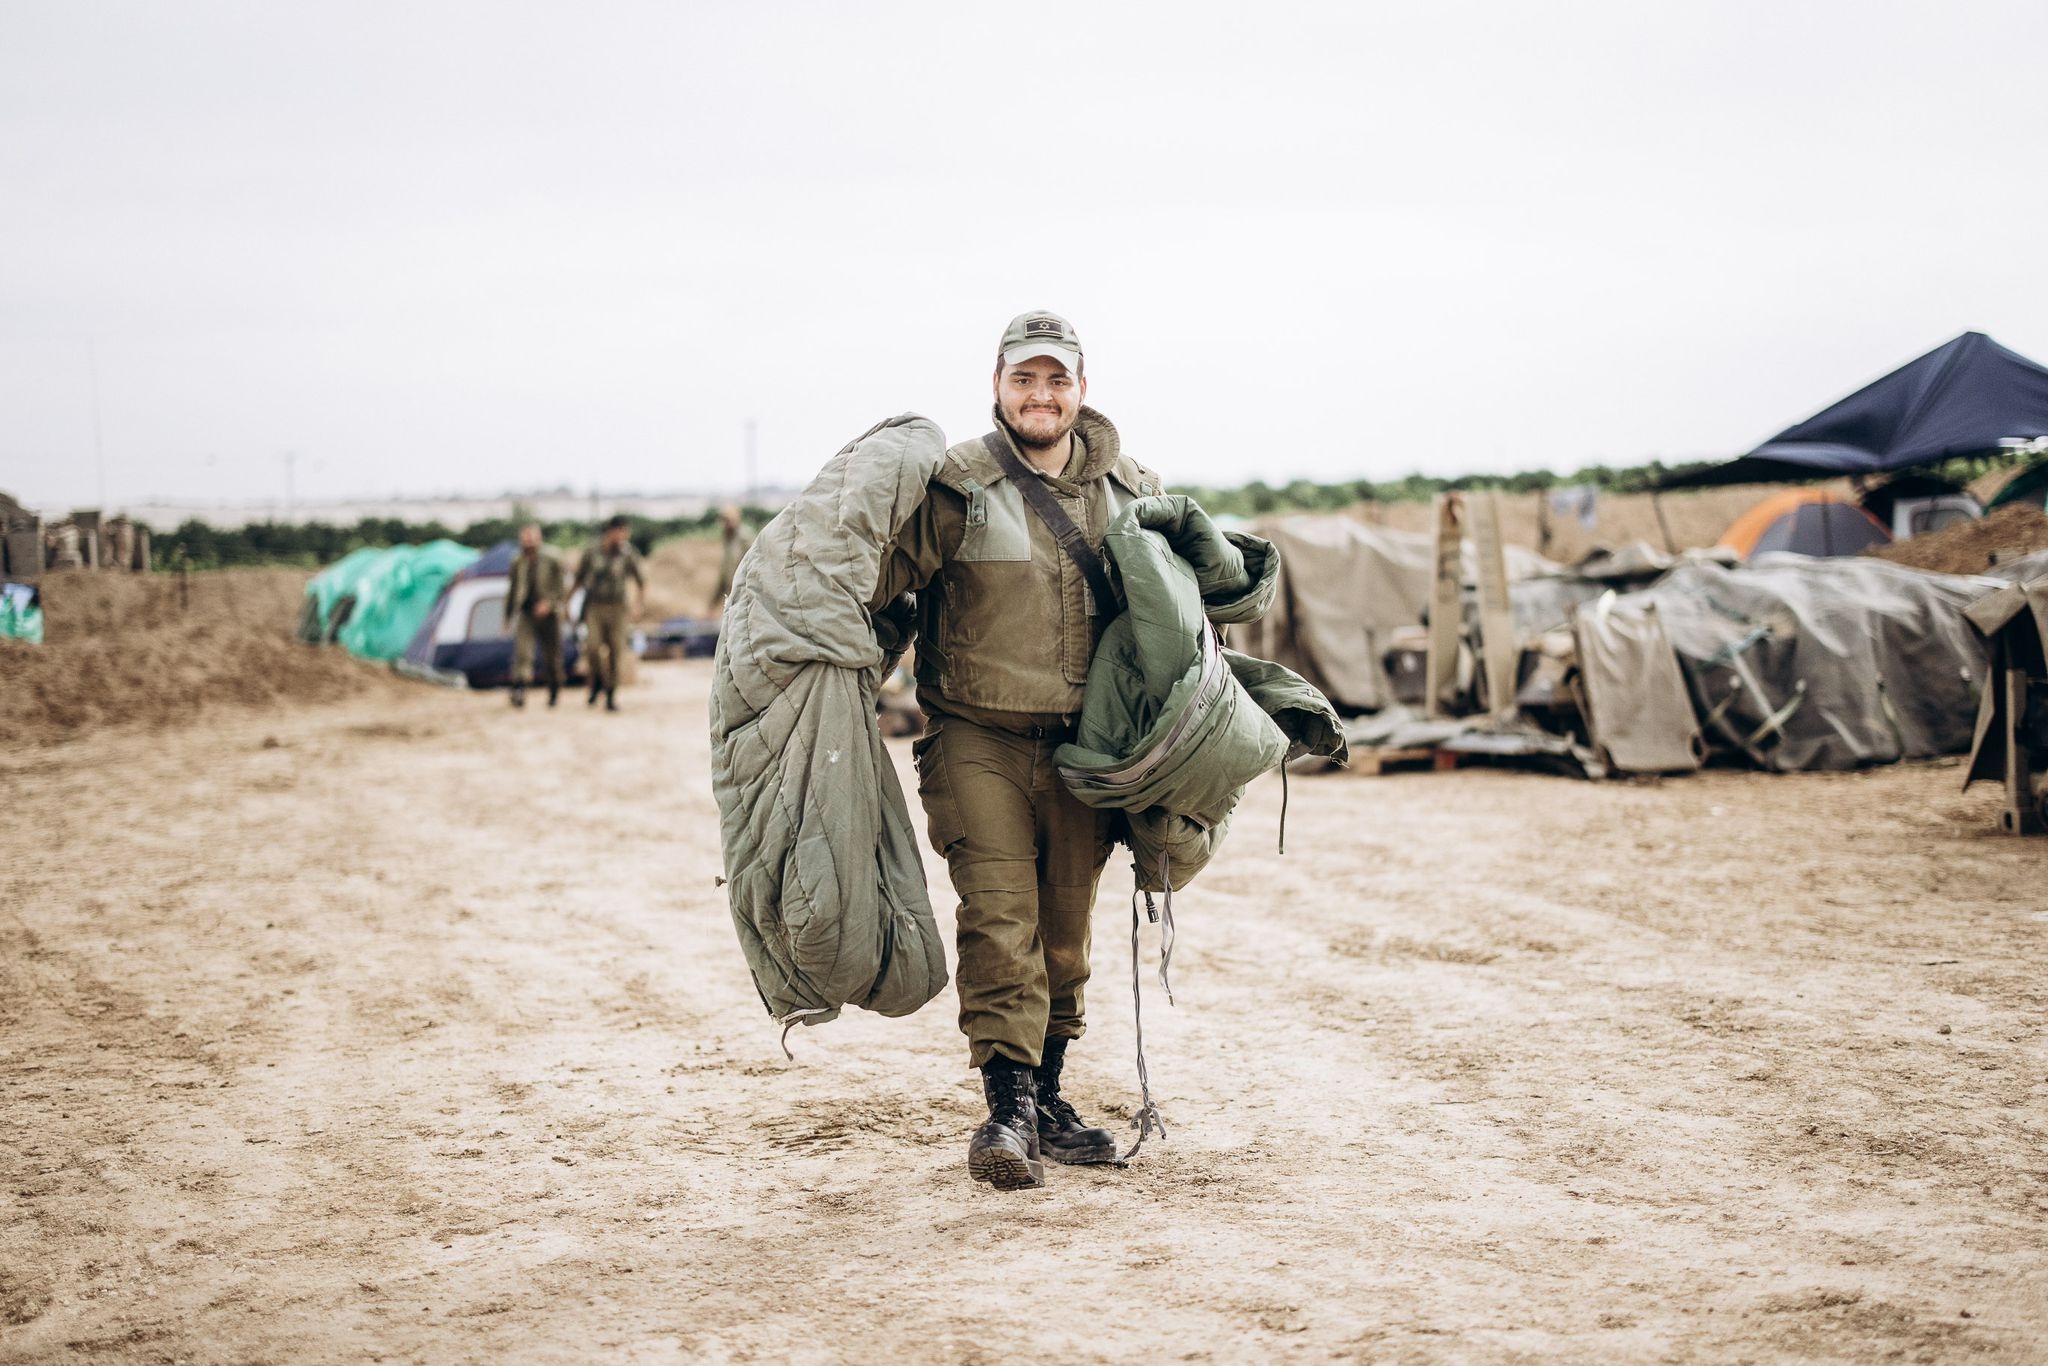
(1040, 400)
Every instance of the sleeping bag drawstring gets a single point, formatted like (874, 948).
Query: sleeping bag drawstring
(1283, 806)
(1148, 1117)
(791, 1020)
(1165, 925)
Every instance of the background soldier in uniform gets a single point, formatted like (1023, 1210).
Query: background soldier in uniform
(536, 599)
(1007, 627)
(734, 541)
(602, 576)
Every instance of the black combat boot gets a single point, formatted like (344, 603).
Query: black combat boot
(596, 687)
(1004, 1151)
(611, 703)
(1061, 1133)
(554, 691)
(518, 695)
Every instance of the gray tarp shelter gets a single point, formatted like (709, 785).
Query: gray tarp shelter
(1799, 663)
(2012, 719)
(1345, 587)
(1639, 711)
(1795, 662)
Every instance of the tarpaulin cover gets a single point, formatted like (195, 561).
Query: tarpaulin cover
(327, 588)
(21, 613)
(1963, 398)
(1638, 710)
(1857, 661)
(2013, 621)
(1345, 587)
(396, 594)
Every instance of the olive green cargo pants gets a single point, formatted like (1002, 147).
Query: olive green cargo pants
(1025, 857)
(605, 642)
(527, 631)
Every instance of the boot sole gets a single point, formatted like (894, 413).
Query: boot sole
(1006, 1170)
(1101, 1155)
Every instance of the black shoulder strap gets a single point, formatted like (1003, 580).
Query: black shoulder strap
(1056, 521)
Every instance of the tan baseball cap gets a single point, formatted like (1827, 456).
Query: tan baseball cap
(1031, 335)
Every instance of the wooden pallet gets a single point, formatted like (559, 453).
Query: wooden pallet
(1371, 763)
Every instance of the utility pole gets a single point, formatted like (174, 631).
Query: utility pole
(99, 452)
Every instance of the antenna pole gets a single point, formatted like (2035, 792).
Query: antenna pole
(99, 451)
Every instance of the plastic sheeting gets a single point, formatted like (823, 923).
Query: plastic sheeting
(1345, 587)
(395, 595)
(1638, 711)
(327, 588)
(1824, 664)
(21, 613)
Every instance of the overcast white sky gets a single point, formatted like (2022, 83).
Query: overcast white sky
(434, 246)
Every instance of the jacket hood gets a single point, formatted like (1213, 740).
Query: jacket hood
(1097, 433)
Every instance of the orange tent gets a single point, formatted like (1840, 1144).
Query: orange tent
(1805, 522)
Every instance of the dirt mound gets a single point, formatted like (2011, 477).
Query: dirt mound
(680, 576)
(80, 605)
(1973, 547)
(124, 649)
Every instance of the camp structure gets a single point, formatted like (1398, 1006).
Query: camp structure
(1804, 522)
(331, 594)
(1632, 661)
(21, 612)
(1967, 397)
(21, 540)
(465, 633)
(2011, 743)
(435, 611)
(380, 599)
(1349, 595)
(1787, 663)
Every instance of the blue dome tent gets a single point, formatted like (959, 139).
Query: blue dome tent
(466, 632)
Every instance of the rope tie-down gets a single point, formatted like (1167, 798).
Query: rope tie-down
(791, 1021)
(1160, 913)
(1148, 1117)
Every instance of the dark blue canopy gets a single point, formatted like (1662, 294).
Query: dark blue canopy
(1963, 398)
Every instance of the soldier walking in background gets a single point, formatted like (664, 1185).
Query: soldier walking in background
(602, 576)
(536, 600)
(736, 540)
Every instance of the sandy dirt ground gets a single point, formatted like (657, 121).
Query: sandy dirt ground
(409, 1027)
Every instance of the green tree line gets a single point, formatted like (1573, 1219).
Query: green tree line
(1258, 498)
(318, 543)
(311, 544)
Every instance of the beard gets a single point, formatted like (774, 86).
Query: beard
(1041, 431)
